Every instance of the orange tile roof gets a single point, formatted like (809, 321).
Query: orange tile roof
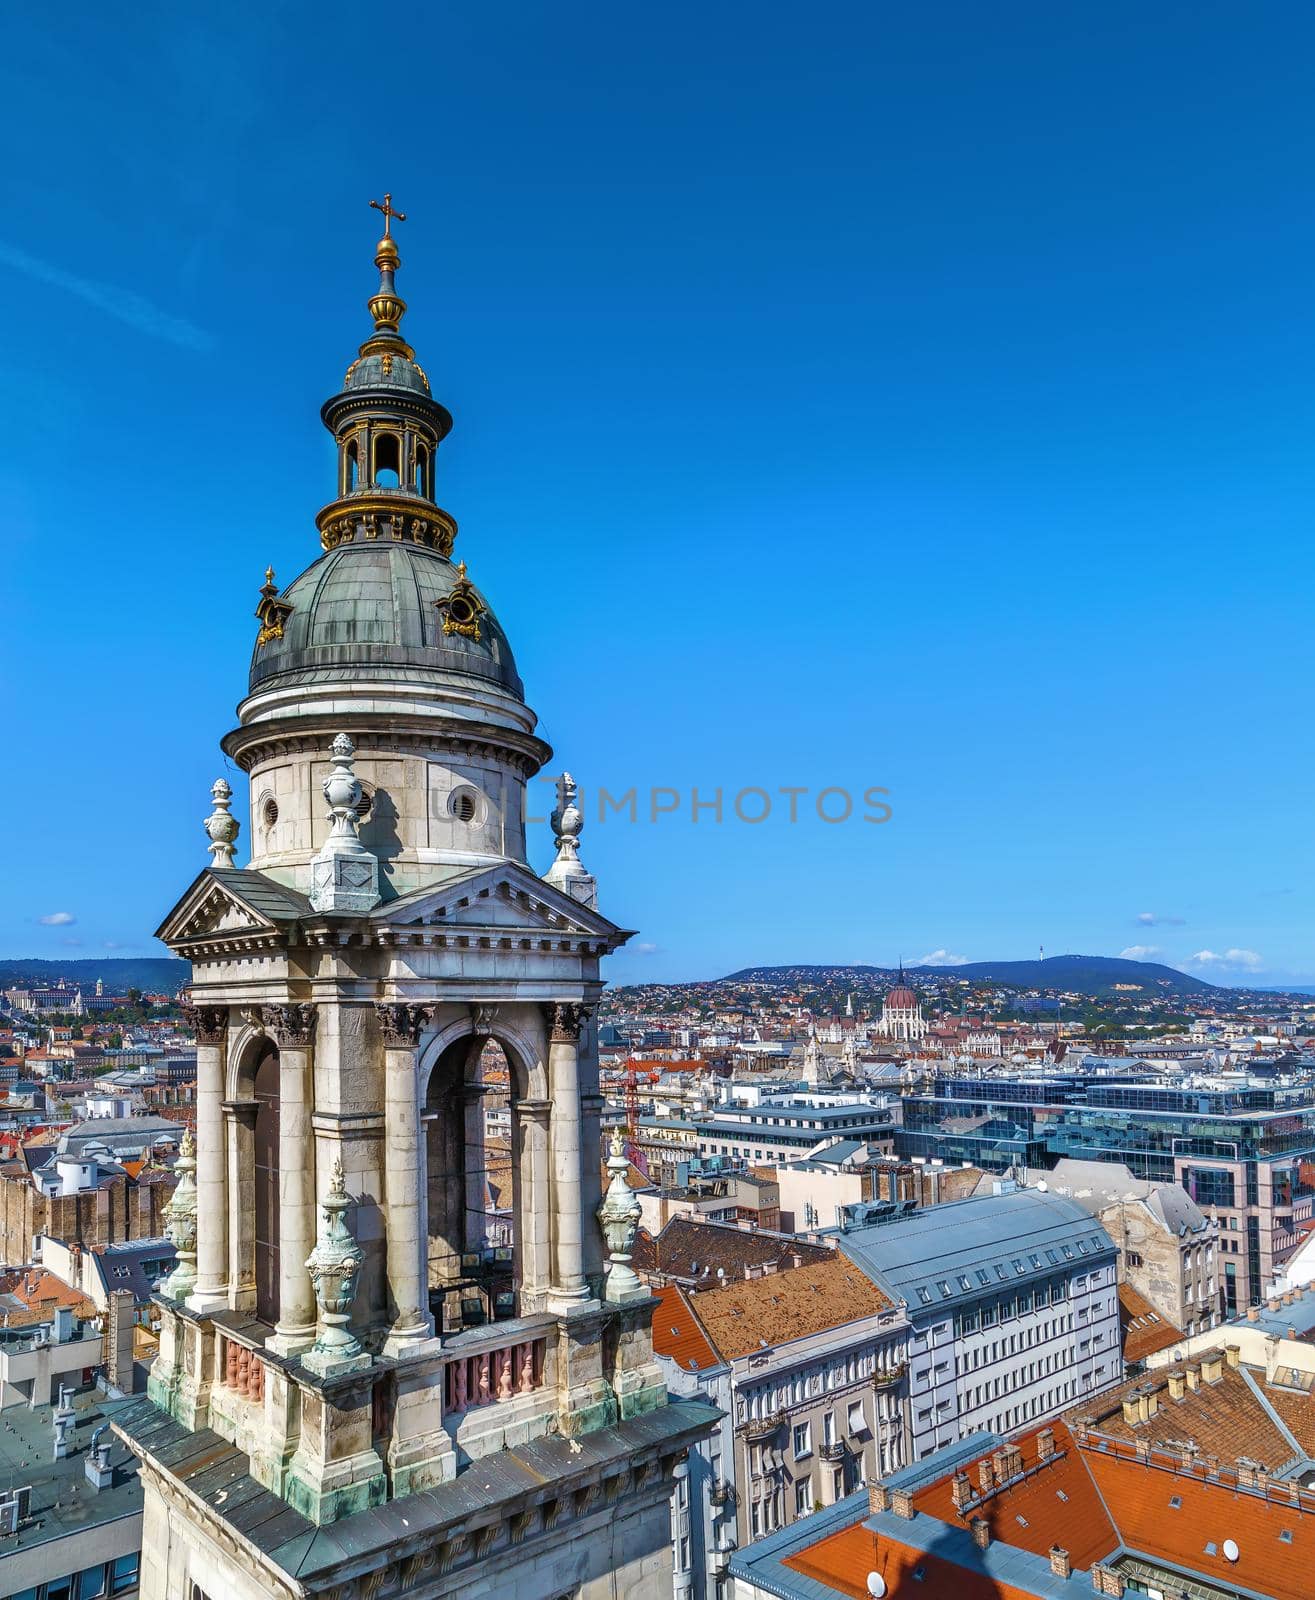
(1225, 1419)
(843, 1560)
(744, 1317)
(678, 1333)
(1139, 1498)
(1058, 1504)
(1144, 1330)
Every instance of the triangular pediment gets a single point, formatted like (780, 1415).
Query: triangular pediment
(227, 903)
(504, 896)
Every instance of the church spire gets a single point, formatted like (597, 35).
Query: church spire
(387, 307)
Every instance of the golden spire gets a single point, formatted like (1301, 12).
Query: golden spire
(389, 214)
(387, 307)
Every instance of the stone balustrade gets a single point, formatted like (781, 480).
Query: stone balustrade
(242, 1370)
(493, 1375)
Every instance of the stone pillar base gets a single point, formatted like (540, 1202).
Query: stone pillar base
(325, 1491)
(406, 1344)
(192, 1400)
(204, 1301)
(421, 1462)
(290, 1341)
(166, 1370)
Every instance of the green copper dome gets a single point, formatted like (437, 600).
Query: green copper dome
(381, 604)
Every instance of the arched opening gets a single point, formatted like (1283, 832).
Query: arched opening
(421, 475)
(265, 1221)
(472, 1195)
(387, 460)
(351, 466)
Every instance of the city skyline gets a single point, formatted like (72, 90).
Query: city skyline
(902, 451)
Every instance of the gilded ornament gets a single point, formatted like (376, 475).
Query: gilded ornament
(272, 612)
(462, 608)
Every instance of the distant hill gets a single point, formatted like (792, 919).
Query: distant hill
(154, 974)
(1094, 975)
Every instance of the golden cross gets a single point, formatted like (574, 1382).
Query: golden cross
(389, 214)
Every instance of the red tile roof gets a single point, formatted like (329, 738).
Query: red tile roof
(843, 1560)
(678, 1333)
(1056, 1503)
(1144, 1330)
(1140, 1500)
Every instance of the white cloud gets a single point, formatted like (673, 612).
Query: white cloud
(646, 949)
(1158, 919)
(941, 958)
(1231, 960)
(1141, 952)
(57, 919)
(125, 304)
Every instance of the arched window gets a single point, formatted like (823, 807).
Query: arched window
(422, 471)
(388, 461)
(352, 466)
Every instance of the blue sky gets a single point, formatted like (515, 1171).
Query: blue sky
(865, 395)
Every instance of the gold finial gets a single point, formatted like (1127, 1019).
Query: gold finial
(461, 568)
(389, 214)
(269, 575)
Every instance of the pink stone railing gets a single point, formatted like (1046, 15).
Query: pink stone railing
(493, 1376)
(243, 1371)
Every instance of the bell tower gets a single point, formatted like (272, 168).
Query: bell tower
(408, 1355)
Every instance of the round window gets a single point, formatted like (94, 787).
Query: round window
(464, 805)
(366, 805)
(269, 811)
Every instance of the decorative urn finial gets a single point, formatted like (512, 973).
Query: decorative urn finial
(619, 1217)
(335, 1267)
(344, 875)
(180, 1222)
(567, 872)
(222, 826)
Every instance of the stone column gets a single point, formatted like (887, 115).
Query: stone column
(293, 1028)
(532, 1191)
(405, 1189)
(210, 1025)
(240, 1128)
(564, 1023)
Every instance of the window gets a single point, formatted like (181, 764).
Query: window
(124, 1574)
(803, 1440)
(803, 1497)
(387, 461)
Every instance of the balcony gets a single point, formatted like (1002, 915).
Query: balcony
(887, 1380)
(833, 1452)
(759, 1428)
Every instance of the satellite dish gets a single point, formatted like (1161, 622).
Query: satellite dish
(1230, 1549)
(876, 1585)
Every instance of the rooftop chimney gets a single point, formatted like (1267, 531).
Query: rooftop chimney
(1045, 1444)
(1177, 1385)
(1193, 1376)
(1212, 1367)
(1060, 1564)
(981, 1530)
(986, 1476)
(961, 1491)
(901, 1503)
(1233, 1355)
(64, 1422)
(1253, 1313)
(878, 1497)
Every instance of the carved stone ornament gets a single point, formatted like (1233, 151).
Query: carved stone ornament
(565, 1020)
(619, 1217)
(209, 1024)
(484, 1018)
(180, 1222)
(292, 1026)
(402, 1024)
(335, 1269)
(344, 874)
(221, 825)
